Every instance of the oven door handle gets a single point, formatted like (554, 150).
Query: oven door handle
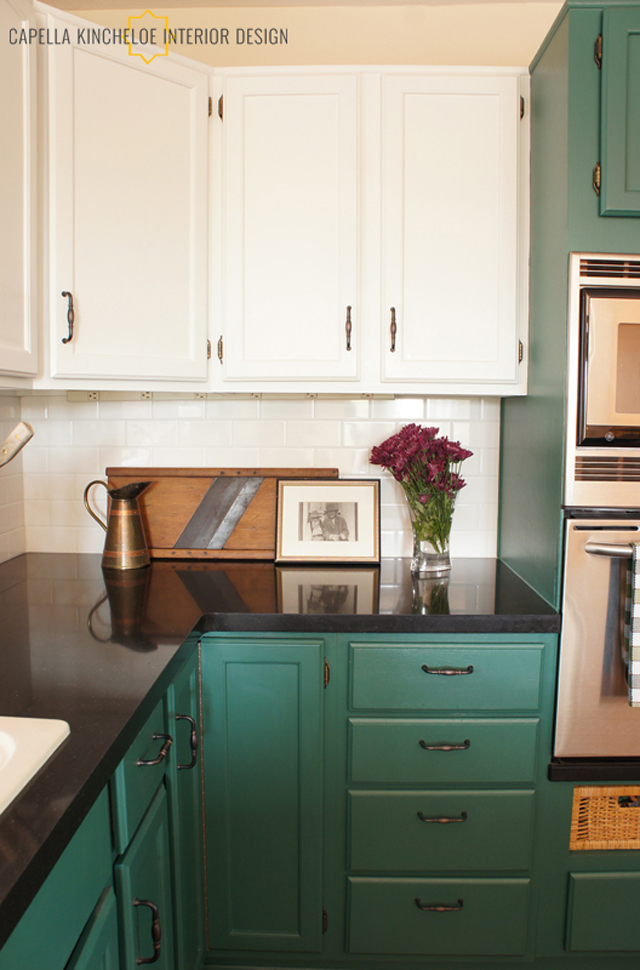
(612, 550)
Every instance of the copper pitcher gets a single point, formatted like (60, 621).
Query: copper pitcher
(125, 546)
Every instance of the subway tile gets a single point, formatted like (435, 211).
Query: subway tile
(37, 512)
(148, 434)
(366, 434)
(125, 410)
(208, 434)
(71, 514)
(179, 457)
(58, 407)
(490, 409)
(409, 409)
(313, 434)
(129, 457)
(229, 408)
(348, 461)
(34, 409)
(51, 539)
(51, 432)
(286, 408)
(179, 409)
(489, 461)
(477, 434)
(74, 459)
(89, 539)
(453, 409)
(232, 457)
(286, 458)
(261, 434)
(60, 485)
(11, 517)
(342, 409)
(35, 460)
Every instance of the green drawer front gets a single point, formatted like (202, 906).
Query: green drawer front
(134, 785)
(603, 911)
(486, 830)
(385, 918)
(389, 750)
(392, 678)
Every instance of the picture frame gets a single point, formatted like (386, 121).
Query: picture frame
(328, 590)
(328, 522)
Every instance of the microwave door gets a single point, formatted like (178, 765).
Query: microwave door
(610, 365)
(593, 718)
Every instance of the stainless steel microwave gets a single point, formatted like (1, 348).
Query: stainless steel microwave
(603, 381)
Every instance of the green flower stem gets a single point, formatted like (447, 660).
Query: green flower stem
(431, 519)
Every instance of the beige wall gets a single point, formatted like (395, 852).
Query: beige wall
(498, 34)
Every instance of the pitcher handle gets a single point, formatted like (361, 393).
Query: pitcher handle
(96, 481)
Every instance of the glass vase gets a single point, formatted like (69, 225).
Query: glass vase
(431, 557)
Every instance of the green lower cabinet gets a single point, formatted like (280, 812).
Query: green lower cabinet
(185, 804)
(459, 830)
(97, 948)
(143, 887)
(479, 917)
(263, 714)
(603, 911)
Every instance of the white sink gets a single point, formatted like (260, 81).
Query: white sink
(25, 744)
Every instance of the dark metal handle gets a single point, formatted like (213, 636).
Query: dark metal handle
(348, 328)
(445, 747)
(164, 750)
(448, 671)
(193, 740)
(439, 907)
(156, 932)
(70, 316)
(611, 550)
(394, 329)
(443, 820)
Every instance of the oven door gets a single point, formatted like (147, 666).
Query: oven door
(609, 410)
(593, 716)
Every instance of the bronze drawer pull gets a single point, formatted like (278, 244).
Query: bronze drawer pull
(348, 328)
(448, 671)
(193, 740)
(156, 932)
(445, 747)
(393, 329)
(443, 820)
(71, 315)
(439, 907)
(164, 750)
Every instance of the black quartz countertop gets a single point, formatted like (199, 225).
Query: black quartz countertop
(99, 651)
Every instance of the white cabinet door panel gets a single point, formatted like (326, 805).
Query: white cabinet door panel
(290, 227)
(17, 191)
(128, 170)
(450, 228)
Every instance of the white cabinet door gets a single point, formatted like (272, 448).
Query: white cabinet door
(289, 261)
(128, 170)
(451, 230)
(17, 191)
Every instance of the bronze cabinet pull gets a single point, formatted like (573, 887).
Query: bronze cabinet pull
(156, 931)
(193, 740)
(443, 820)
(348, 328)
(394, 329)
(164, 750)
(71, 315)
(448, 671)
(445, 747)
(438, 907)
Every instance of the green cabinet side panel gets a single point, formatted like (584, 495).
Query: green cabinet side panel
(603, 911)
(489, 916)
(491, 750)
(388, 677)
(532, 428)
(427, 830)
(620, 124)
(46, 935)
(263, 780)
(144, 873)
(184, 785)
(97, 948)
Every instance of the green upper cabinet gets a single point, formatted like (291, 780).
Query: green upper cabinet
(620, 112)
(263, 718)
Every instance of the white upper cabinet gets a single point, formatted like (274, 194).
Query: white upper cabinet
(288, 213)
(128, 215)
(17, 192)
(450, 229)
(401, 194)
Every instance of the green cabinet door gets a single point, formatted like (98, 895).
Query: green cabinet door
(143, 888)
(97, 948)
(263, 720)
(185, 803)
(620, 116)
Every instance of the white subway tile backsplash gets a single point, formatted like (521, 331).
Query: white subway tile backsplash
(76, 441)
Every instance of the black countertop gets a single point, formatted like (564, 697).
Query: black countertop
(99, 651)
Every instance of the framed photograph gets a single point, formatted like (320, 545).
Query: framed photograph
(328, 590)
(330, 521)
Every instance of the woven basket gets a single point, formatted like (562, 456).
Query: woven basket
(598, 821)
